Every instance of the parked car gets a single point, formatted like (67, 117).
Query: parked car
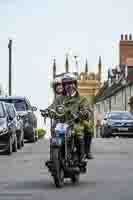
(117, 123)
(18, 122)
(26, 112)
(8, 138)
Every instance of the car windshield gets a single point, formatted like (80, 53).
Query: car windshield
(19, 104)
(120, 116)
(2, 114)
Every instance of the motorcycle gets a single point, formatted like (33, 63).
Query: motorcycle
(64, 156)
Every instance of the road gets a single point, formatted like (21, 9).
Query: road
(23, 175)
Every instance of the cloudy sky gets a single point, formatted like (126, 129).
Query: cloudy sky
(44, 29)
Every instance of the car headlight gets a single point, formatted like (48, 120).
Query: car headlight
(1, 129)
(111, 123)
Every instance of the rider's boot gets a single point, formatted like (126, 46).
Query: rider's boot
(81, 149)
(88, 140)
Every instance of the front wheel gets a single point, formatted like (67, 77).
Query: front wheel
(10, 150)
(59, 172)
(59, 179)
(75, 178)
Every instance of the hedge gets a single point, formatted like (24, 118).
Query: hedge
(41, 132)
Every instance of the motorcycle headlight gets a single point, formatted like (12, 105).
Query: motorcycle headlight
(60, 109)
(26, 124)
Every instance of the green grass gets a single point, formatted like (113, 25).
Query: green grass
(41, 132)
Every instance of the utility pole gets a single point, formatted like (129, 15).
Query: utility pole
(10, 67)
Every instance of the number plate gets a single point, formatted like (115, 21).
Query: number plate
(123, 129)
(56, 141)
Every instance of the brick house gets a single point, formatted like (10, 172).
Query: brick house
(118, 89)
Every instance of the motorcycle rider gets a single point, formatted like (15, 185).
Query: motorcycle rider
(85, 122)
(72, 101)
(57, 87)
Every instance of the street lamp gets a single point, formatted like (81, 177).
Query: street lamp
(10, 66)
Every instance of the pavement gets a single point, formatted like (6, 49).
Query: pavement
(23, 175)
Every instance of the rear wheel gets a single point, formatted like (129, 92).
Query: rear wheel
(15, 144)
(36, 135)
(22, 142)
(33, 139)
(102, 132)
(19, 142)
(9, 150)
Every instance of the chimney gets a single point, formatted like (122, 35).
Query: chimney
(122, 37)
(130, 36)
(126, 37)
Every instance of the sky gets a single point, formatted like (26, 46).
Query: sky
(45, 29)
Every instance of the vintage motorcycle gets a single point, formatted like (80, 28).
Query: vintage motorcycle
(64, 156)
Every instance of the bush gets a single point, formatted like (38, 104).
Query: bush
(41, 132)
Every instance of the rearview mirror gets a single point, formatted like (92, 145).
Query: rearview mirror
(10, 118)
(34, 108)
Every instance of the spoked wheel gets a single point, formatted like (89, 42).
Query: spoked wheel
(59, 172)
(59, 179)
(75, 178)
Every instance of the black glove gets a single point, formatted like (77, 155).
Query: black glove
(84, 114)
(44, 113)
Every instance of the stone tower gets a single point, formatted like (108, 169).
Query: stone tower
(67, 65)
(54, 69)
(99, 68)
(86, 67)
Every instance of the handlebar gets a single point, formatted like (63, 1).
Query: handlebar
(52, 113)
(59, 113)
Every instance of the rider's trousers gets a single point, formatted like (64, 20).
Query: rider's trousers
(88, 141)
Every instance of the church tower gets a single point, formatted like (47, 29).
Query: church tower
(99, 68)
(67, 65)
(54, 69)
(86, 67)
